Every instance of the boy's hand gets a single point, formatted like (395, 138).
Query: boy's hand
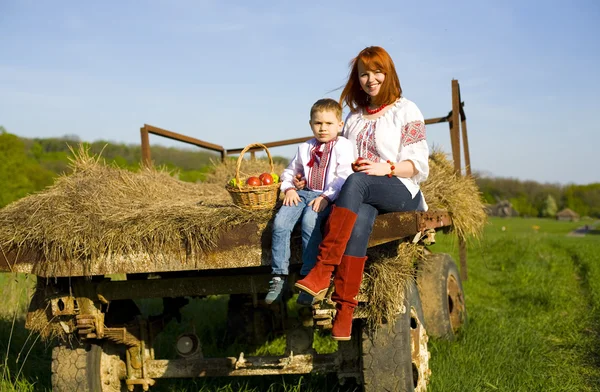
(299, 182)
(291, 198)
(318, 204)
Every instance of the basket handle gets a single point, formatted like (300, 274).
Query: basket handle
(241, 158)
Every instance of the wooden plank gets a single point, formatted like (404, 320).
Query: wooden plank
(436, 120)
(182, 138)
(247, 245)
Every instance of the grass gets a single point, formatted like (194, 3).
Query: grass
(533, 297)
(533, 303)
(22, 353)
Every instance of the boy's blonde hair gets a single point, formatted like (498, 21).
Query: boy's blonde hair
(327, 105)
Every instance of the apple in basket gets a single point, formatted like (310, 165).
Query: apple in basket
(266, 179)
(253, 181)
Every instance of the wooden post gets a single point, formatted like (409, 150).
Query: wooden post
(462, 254)
(146, 159)
(466, 145)
(455, 141)
(463, 127)
(455, 127)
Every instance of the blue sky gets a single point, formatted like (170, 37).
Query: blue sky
(238, 72)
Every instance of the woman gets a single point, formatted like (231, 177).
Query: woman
(388, 135)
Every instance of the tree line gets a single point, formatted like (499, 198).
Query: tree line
(28, 165)
(531, 198)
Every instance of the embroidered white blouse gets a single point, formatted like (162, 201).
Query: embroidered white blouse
(330, 171)
(398, 135)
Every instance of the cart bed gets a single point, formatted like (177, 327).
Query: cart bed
(247, 245)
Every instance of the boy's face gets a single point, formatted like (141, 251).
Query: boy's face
(325, 125)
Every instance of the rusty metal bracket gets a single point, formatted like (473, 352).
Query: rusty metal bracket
(90, 326)
(123, 335)
(65, 305)
(433, 220)
(323, 313)
(146, 383)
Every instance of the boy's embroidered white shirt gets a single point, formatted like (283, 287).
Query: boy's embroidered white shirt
(339, 166)
(398, 135)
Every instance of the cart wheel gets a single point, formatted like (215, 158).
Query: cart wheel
(443, 298)
(397, 359)
(87, 369)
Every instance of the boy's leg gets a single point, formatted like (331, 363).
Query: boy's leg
(312, 224)
(283, 224)
(312, 235)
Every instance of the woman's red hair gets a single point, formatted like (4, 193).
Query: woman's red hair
(373, 58)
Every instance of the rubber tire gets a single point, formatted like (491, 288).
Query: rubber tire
(387, 363)
(445, 313)
(79, 369)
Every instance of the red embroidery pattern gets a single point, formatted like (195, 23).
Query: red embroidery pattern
(318, 172)
(413, 132)
(366, 142)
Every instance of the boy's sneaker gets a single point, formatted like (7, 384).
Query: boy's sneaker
(304, 299)
(277, 285)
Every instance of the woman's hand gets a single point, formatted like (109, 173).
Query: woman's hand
(405, 169)
(372, 168)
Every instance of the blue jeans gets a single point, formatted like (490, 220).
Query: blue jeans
(284, 223)
(369, 196)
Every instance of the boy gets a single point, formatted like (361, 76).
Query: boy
(325, 163)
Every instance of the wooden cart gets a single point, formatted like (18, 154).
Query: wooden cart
(113, 345)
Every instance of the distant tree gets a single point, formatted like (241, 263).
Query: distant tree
(583, 199)
(523, 206)
(13, 158)
(550, 208)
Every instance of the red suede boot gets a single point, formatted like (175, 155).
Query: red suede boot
(337, 232)
(347, 285)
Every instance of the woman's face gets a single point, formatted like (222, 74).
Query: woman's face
(370, 80)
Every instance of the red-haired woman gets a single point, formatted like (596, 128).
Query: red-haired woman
(388, 134)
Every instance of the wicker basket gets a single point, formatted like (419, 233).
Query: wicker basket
(253, 197)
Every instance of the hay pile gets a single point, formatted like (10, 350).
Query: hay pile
(101, 210)
(459, 195)
(385, 282)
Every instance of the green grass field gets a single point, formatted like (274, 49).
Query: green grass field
(533, 298)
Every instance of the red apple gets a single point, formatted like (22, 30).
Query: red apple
(266, 179)
(356, 165)
(253, 181)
